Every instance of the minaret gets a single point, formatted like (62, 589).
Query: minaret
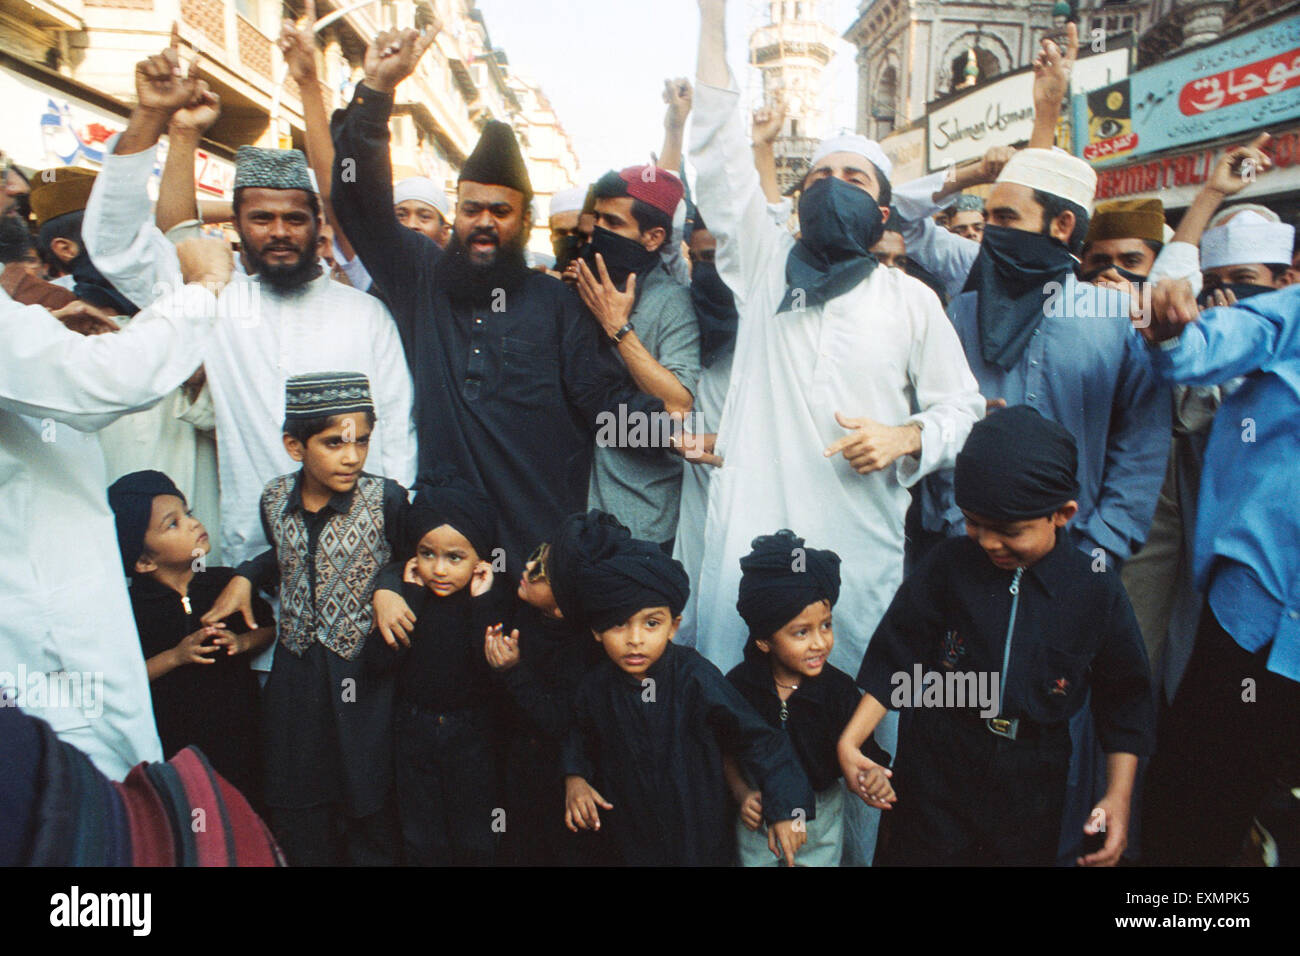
(792, 50)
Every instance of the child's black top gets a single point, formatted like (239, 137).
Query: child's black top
(816, 713)
(554, 657)
(214, 706)
(445, 669)
(1073, 630)
(653, 747)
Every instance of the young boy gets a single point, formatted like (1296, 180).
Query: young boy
(447, 788)
(980, 777)
(540, 668)
(654, 721)
(327, 719)
(787, 591)
(203, 691)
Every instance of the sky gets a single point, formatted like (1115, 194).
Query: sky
(603, 65)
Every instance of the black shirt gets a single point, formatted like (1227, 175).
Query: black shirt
(507, 392)
(817, 713)
(1074, 631)
(554, 657)
(445, 669)
(654, 750)
(214, 706)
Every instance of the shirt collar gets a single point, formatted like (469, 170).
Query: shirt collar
(755, 671)
(340, 501)
(1052, 571)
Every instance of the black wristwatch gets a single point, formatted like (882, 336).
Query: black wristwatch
(618, 336)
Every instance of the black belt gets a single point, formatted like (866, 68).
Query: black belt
(1012, 728)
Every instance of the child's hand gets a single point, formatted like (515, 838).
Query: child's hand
(394, 618)
(751, 810)
(785, 839)
(236, 596)
(236, 643)
(1109, 816)
(867, 779)
(502, 652)
(192, 650)
(481, 583)
(580, 802)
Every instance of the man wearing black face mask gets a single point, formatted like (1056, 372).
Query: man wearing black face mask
(1124, 237)
(848, 384)
(648, 316)
(567, 235)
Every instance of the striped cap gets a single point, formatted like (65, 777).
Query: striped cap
(322, 394)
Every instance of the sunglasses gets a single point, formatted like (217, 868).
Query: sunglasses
(535, 567)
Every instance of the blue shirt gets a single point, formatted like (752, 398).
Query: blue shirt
(1086, 368)
(1246, 556)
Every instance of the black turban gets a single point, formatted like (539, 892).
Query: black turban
(131, 498)
(582, 538)
(779, 578)
(635, 576)
(497, 161)
(444, 498)
(1015, 465)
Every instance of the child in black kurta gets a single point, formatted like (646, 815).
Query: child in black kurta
(448, 794)
(787, 591)
(539, 668)
(654, 721)
(327, 720)
(202, 688)
(984, 783)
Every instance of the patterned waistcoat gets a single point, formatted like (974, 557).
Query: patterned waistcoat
(351, 550)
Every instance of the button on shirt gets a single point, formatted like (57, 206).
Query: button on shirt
(1245, 556)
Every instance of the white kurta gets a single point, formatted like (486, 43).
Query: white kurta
(885, 350)
(63, 600)
(262, 338)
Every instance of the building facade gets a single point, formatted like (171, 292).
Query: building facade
(67, 69)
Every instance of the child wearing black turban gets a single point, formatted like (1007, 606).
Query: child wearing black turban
(654, 721)
(202, 689)
(787, 591)
(981, 778)
(445, 733)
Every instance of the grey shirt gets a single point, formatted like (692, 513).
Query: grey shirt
(635, 476)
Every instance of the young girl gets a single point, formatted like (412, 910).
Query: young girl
(787, 591)
(203, 691)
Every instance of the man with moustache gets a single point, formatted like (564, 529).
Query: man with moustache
(286, 319)
(510, 370)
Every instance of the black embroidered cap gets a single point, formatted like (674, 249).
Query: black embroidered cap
(322, 394)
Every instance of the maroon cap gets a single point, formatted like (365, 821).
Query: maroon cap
(654, 186)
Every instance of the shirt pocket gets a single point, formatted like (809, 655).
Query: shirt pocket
(529, 372)
(1059, 683)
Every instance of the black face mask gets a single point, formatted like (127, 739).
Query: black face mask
(1242, 290)
(623, 256)
(715, 308)
(1010, 276)
(838, 226)
(567, 249)
(91, 287)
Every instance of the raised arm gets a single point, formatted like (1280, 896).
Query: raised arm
(766, 128)
(751, 246)
(362, 180)
(298, 45)
(1052, 70)
(677, 94)
(176, 200)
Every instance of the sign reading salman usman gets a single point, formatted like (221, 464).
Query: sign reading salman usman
(1001, 112)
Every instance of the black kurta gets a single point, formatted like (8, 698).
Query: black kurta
(966, 796)
(536, 714)
(655, 752)
(508, 392)
(213, 706)
(817, 713)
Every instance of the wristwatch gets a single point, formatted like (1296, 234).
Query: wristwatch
(618, 336)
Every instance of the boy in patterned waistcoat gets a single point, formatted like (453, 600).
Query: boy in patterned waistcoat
(327, 719)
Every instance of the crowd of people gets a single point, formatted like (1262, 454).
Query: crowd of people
(877, 524)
